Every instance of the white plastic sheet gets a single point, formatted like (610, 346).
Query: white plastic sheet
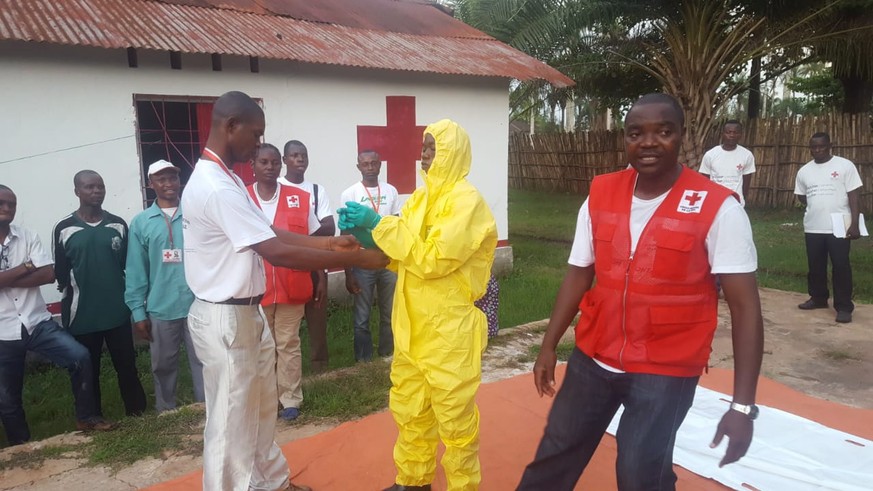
(787, 453)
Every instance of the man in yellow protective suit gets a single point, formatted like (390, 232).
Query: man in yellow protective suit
(442, 246)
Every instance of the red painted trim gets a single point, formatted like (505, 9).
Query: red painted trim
(54, 308)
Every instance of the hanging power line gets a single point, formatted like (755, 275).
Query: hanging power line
(60, 150)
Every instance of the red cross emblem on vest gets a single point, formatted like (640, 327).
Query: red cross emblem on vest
(398, 142)
(691, 202)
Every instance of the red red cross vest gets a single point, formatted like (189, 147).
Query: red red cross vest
(656, 311)
(288, 286)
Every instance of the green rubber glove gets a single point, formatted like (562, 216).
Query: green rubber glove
(361, 216)
(364, 236)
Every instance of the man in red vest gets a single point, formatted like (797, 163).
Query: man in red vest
(653, 236)
(288, 290)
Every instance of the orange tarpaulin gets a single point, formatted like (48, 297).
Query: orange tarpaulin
(357, 455)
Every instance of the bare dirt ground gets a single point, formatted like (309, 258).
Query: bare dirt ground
(805, 350)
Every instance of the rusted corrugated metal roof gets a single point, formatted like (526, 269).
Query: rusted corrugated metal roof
(234, 27)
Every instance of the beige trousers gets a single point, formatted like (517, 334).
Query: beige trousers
(239, 378)
(284, 321)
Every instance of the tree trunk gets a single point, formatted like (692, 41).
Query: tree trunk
(754, 109)
(859, 94)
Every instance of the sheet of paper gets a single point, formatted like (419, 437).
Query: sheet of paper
(841, 222)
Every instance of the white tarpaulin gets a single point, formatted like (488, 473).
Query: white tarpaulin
(787, 453)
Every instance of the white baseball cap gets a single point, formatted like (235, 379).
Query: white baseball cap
(162, 165)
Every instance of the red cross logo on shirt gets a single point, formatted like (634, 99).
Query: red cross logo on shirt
(398, 142)
(739, 167)
(692, 199)
(835, 174)
(168, 255)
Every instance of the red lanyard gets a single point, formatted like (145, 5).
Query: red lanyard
(170, 225)
(210, 155)
(378, 196)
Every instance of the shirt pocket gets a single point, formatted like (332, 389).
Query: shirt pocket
(603, 247)
(672, 254)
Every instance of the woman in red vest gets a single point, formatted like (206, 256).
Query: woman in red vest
(288, 290)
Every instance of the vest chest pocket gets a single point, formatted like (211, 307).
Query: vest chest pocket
(603, 247)
(672, 254)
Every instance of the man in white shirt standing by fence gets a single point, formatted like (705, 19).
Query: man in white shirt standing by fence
(828, 184)
(730, 164)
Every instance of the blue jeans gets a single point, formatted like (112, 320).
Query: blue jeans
(54, 343)
(654, 408)
(370, 281)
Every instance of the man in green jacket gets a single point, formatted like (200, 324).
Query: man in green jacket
(155, 287)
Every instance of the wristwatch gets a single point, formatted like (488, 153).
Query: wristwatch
(750, 410)
(29, 266)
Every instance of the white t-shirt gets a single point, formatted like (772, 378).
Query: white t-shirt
(323, 210)
(729, 243)
(383, 199)
(22, 305)
(268, 206)
(727, 167)
(220, 224)
(826, 187)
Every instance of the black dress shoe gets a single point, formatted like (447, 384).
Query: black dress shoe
(844, 317)
(813, 304)
(400, 487)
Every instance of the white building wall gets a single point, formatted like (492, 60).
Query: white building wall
(66, 109)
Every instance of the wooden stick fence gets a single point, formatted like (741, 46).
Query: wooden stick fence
(567, 162)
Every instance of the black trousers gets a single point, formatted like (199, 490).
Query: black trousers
(119, 343)
(818, 248)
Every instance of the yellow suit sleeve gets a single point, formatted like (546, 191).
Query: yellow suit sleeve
(457, 233)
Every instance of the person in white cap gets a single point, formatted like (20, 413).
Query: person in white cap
(155, 288)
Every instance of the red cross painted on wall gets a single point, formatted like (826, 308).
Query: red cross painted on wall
(692, 199)
(398, 142)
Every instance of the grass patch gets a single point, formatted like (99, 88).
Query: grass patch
(353, 393)
(35, 458)
(150, 435)
(839, 355)
(563, 351)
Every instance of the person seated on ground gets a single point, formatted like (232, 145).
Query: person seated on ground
(26, 325)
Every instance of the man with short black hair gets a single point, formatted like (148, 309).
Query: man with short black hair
(26, 325)
(296, 159)
(90, 251)
(828, 184)
(155, 287)
(730, 164)
(382, 198)
(226, 239)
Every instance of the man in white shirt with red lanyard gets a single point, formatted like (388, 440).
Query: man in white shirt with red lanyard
(296, 159)
(226, 235)
(730, 164)
(363, 283)
(828, 184)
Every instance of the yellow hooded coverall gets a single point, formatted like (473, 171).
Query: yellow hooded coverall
(442, 245)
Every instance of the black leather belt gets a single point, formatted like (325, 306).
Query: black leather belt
(240, 301)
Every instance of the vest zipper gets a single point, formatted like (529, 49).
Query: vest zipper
(624, 311)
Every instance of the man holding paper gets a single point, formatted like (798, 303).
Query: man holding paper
(829, 185)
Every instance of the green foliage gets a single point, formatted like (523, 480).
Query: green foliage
(349, 394)
(150, 435)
